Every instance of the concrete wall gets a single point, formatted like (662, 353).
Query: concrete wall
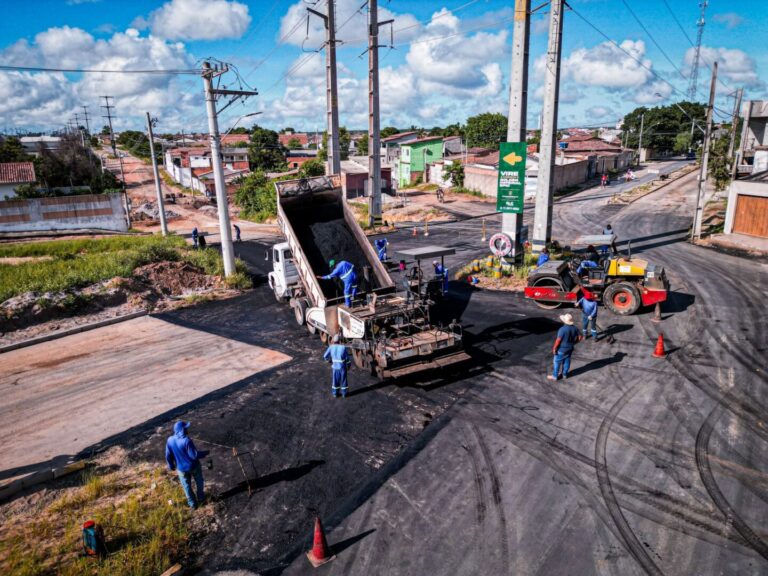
(92, 211)
(7, 191)
(184, 177)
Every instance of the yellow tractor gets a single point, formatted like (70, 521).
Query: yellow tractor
(623, 283)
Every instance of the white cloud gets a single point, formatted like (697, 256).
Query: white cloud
(730, 19)
(607, 66)
(600, 113)
(540, 25)
(199, 20)
(733, 64)
(48, 100)
(351, 25)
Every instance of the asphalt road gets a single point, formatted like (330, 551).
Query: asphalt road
(635, 465)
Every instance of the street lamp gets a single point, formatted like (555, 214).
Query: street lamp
(241, 117)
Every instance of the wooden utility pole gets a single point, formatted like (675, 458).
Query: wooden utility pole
(698, 217)
(512, 224)
(545, 186)
(158, 188)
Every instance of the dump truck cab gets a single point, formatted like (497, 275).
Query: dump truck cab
(284, 275)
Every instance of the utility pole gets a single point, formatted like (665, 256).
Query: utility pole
(109, 108)
(697, 219)
(640, 142)
(87, 125)
(545, 186)
(227, 249)
(374, 122)
(744, 132)
(694, 83)
(158, 189)
(734, 124)
(512, 224)
(332, 98)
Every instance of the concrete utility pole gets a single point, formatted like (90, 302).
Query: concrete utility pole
(697, 219)
(545, 187)
(744, 132)
(640, 142)
(227, 249)
(158, 188)
(512, 224)
(734, 124)
(333, 165)
(126, 202)
(374, 122)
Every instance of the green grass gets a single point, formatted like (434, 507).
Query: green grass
(144, 534)
(469, 192)
(78, 263)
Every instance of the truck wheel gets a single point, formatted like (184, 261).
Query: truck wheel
(300, 311)
(276, 292)
(621, 298)
(324, 337)
(312, 329)
(549, 283)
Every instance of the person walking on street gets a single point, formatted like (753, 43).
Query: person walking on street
(237, 233)
(603, 180)
(182, 456)
(566, 339)
(589, 316)
(608, 231)
(195, 235)
(338, 356)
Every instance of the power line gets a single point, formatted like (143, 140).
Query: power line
(652, 38)
(7, 68)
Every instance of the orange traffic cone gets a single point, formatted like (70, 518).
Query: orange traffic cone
(659, 351)
(319, 554)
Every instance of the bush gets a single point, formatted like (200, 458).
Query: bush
(256, 196)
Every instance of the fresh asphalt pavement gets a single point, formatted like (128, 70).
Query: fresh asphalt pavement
(634, 465)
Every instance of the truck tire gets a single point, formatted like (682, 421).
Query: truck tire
(621, 298)
(300, 311)
(275, 291)
(360, 359)
(324, 337)
(549, 283)
(311, 329)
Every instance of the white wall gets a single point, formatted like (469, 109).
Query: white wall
(92, 211)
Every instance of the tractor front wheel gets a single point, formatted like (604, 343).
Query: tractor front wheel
(621, 298)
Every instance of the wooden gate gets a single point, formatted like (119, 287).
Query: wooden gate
(751, 216)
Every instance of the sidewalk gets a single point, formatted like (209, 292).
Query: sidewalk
(751, 245)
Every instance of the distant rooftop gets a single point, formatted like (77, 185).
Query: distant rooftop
(17, 173)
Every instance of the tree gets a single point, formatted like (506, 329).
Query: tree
(720, 163)
(294, 144)
(456, 173)
(453, 130)
(389, 131)
(239, 130)
(137, 143)
(256, 196)
(362, 145)
(682, 142)
(11, 150)
(311, 168)
(663, 124)
(287, 130)
(344, 140)
(486, 130)
(265, 151)
(105, 131)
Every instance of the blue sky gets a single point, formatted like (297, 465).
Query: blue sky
(450, 60)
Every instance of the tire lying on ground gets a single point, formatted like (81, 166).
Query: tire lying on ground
(622, 298)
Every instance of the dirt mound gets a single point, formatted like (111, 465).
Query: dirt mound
(174, 278)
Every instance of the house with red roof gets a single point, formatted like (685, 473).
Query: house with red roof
(13, 174)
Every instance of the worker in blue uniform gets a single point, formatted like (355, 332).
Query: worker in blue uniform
(338, 356)
(543, 257)
(589, 316)
(381, 247)
(344, 271)
(441, 273)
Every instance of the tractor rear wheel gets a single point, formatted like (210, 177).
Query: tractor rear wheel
(549, 283)
(621, 298)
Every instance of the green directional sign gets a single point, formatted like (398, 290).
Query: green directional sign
(511, 189)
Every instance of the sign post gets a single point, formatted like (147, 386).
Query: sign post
(511, 186)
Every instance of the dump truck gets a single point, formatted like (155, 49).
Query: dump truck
(390, 333)
(621, 282)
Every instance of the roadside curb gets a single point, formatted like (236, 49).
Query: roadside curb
(644, 194)
(39, 477)
(71, 331)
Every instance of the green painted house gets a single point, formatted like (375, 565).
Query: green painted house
(414, 156)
